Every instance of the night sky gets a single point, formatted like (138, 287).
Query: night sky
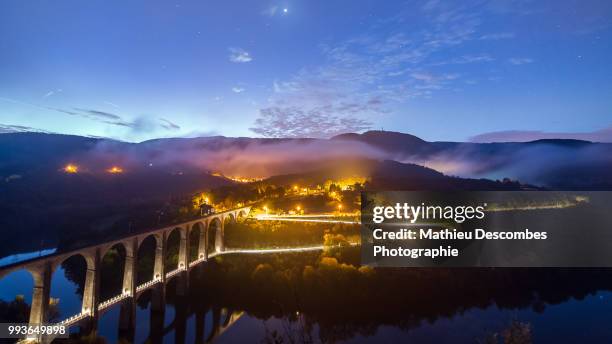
(136, 70)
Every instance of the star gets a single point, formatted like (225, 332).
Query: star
(285, 10)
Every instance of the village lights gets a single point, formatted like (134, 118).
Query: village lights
(71, 168)
(115, 170)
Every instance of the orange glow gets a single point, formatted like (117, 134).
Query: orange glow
(298, 208)
(238, 179)
(70, 168)
(115, 169)
(339, 206)
(295, 187)
(244, 179)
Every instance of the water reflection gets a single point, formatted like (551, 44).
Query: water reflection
(67, 284)
(314, 297)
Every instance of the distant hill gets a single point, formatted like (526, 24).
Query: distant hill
(551, 163)
(554, 163)
(32, 163)
(388, 140)
(392, 175)
(36, 194)
(407, 144)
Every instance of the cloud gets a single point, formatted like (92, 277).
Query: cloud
(385, 63)
(554, 165)
(517, 61)
(237, 89)
(238, 55)
(141, 124)
(95, 115)
(270, 11)
(603, 135)
(111, 104)
(232, 156)
(67, 112)
(318, 122)
(52, 92)
(168, 125)
(465, 59)
(201, 133)
(496, 36)
(145, 125)
(11, 128)
(433, 79)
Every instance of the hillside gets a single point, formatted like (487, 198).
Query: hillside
(550, 163)
(392, 175)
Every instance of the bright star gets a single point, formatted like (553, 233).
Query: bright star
(285, 10)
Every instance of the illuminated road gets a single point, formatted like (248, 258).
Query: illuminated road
(268, 250)
(338, 218)
(314, 218)
(274, 250)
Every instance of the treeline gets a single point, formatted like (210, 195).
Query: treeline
(345, 300)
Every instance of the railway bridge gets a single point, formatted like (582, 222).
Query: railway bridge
(208, 231)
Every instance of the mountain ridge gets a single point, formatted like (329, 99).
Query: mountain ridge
(539, 162)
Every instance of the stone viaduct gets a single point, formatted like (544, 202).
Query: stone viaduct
(208, 231)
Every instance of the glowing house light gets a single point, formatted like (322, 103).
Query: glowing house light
(71, 168)
(115, 170)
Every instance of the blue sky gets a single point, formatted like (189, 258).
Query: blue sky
(441, 70)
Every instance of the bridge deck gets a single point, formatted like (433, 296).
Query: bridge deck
(17, 265)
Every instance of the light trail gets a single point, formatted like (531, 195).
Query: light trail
(309, 215)
(273, 250)
(276, 250)
(329, 218)
(311, 220)
(314, 218)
